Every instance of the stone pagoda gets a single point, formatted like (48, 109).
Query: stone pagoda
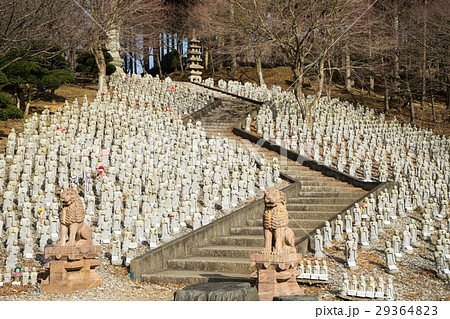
(194, 61)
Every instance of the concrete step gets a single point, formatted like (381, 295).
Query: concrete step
(304, 178)
(193, 277)
(247, 240)
(298, 230)
(317, 194)
(326, 188)
(226, 258)
(226, 251)
(305, 223)
(216, 264)
(322, 182)
(314, 207)
(301, 215)
(253, 241)
(321, 200)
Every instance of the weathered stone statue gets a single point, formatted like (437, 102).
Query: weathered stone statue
(276, 265)
(73, 262)
(72, 220)
(278, 238)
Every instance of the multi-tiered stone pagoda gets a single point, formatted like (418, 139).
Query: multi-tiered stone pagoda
(194, 61)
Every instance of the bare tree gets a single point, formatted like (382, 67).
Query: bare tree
(22, 22)
(106, 15)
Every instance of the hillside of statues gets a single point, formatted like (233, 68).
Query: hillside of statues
(145, 179)
(143, 176)
(403, 235)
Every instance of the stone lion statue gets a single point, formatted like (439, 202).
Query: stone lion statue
(278, 237)
(72, 220)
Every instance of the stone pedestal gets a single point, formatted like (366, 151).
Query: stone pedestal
(276, 275)
(71, 269)
(217, 291)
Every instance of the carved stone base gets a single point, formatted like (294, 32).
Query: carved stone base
(276, 275)
(272, 283)
(72, 269)
(271, 261)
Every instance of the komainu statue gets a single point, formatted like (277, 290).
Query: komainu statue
(278, 237)
(72, 265)
(72, 220)
(276, 266)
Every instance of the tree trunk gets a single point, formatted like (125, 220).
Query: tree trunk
(101, 65)
(126, 57)
(411, 103)
(233, 44)
(161, 46)
(29, 93)
(180, 53)
(330, 79)
(348, 83)
(135, 62)
(433, 108)
(213, 70)
(206, 58)
(72, 60)
(298, 91)
(248, 59)
(448, 97)
(156, 56)
(371, 79)
(259, 69)
(386, 97)
(53, 96)
(221, 49)
(233, 54)
(146, 51)
(321, 78)
(27, 110)
(22, 98)
(396, 70)
(424, 56)
(371, 85)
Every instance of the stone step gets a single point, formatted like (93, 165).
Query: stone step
(203, 263)
(321, 200)
(304, 177)
(305, 223)
(254, 241)
(314, 207)
(193, 277)
(317, 194)
(247, 240)
(302, 215)
(300, 176)
(327, 188)
(216, 126)
(322, 181)
(226, 258)
(226, 251)
(298, 230)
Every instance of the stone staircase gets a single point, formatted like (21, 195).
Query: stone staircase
(227, 258)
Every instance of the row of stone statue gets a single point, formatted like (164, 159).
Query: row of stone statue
(367, 288)
(18, 277)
